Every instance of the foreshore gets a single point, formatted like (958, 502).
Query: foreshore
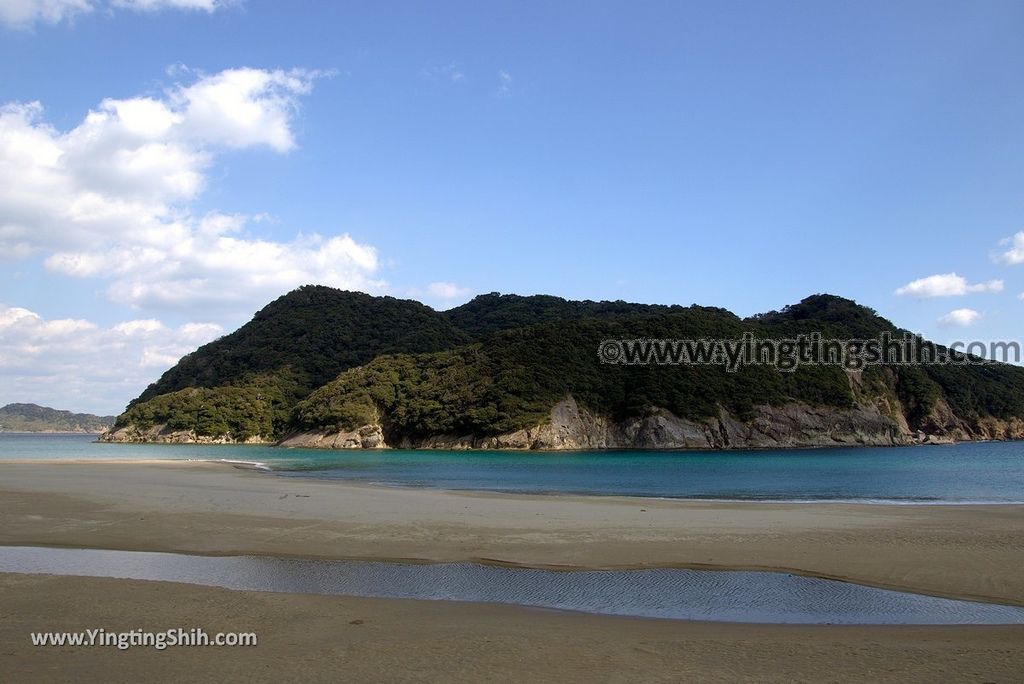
(965, 551)
(336, 638)
(972, 552)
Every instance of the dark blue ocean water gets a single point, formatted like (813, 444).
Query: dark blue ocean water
(983, 472)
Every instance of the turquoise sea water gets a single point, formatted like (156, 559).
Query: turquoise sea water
(964, 473)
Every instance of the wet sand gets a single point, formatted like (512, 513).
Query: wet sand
(331, 638)
(958, 551)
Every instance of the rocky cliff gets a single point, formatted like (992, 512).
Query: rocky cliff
(162, 434)
(792, 425)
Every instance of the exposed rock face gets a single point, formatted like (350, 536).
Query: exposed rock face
(875, 420)
(571, 426)
(366, 437)
(159, 434)
(789, 426)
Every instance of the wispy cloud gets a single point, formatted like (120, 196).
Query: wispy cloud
(1014, 250)
(504, 88)
(947, 285)
(24, 14)
(156, 5)
(450, 72)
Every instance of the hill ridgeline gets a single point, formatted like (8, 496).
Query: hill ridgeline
(321, 367)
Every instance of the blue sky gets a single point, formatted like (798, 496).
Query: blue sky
(742, 155)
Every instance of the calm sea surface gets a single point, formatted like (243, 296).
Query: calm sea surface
(964, 473)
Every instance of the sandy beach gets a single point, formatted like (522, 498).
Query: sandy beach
(211, 508)
(332, 638)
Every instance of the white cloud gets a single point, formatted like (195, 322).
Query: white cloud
(443, 290)
(440, 294)
(947, 285)
(76, 364)
(110, 197)
(960, 317)
(199, 332)
(145, 326)
(242, 107)
(23, 14)
(226, 272)
(1014, 254)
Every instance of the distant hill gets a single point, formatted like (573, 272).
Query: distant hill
(324, 367)
(35, 418)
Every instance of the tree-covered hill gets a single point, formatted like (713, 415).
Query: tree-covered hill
(35, 418)
(311, 334)
(494, 312)
(511, 380)
(323, 360)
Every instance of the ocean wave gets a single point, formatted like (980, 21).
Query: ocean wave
(253, 465)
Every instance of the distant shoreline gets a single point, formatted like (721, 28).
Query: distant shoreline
(264, 470)
(51, 432)
(808, 474)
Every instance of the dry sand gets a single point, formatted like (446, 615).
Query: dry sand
(959, 551)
